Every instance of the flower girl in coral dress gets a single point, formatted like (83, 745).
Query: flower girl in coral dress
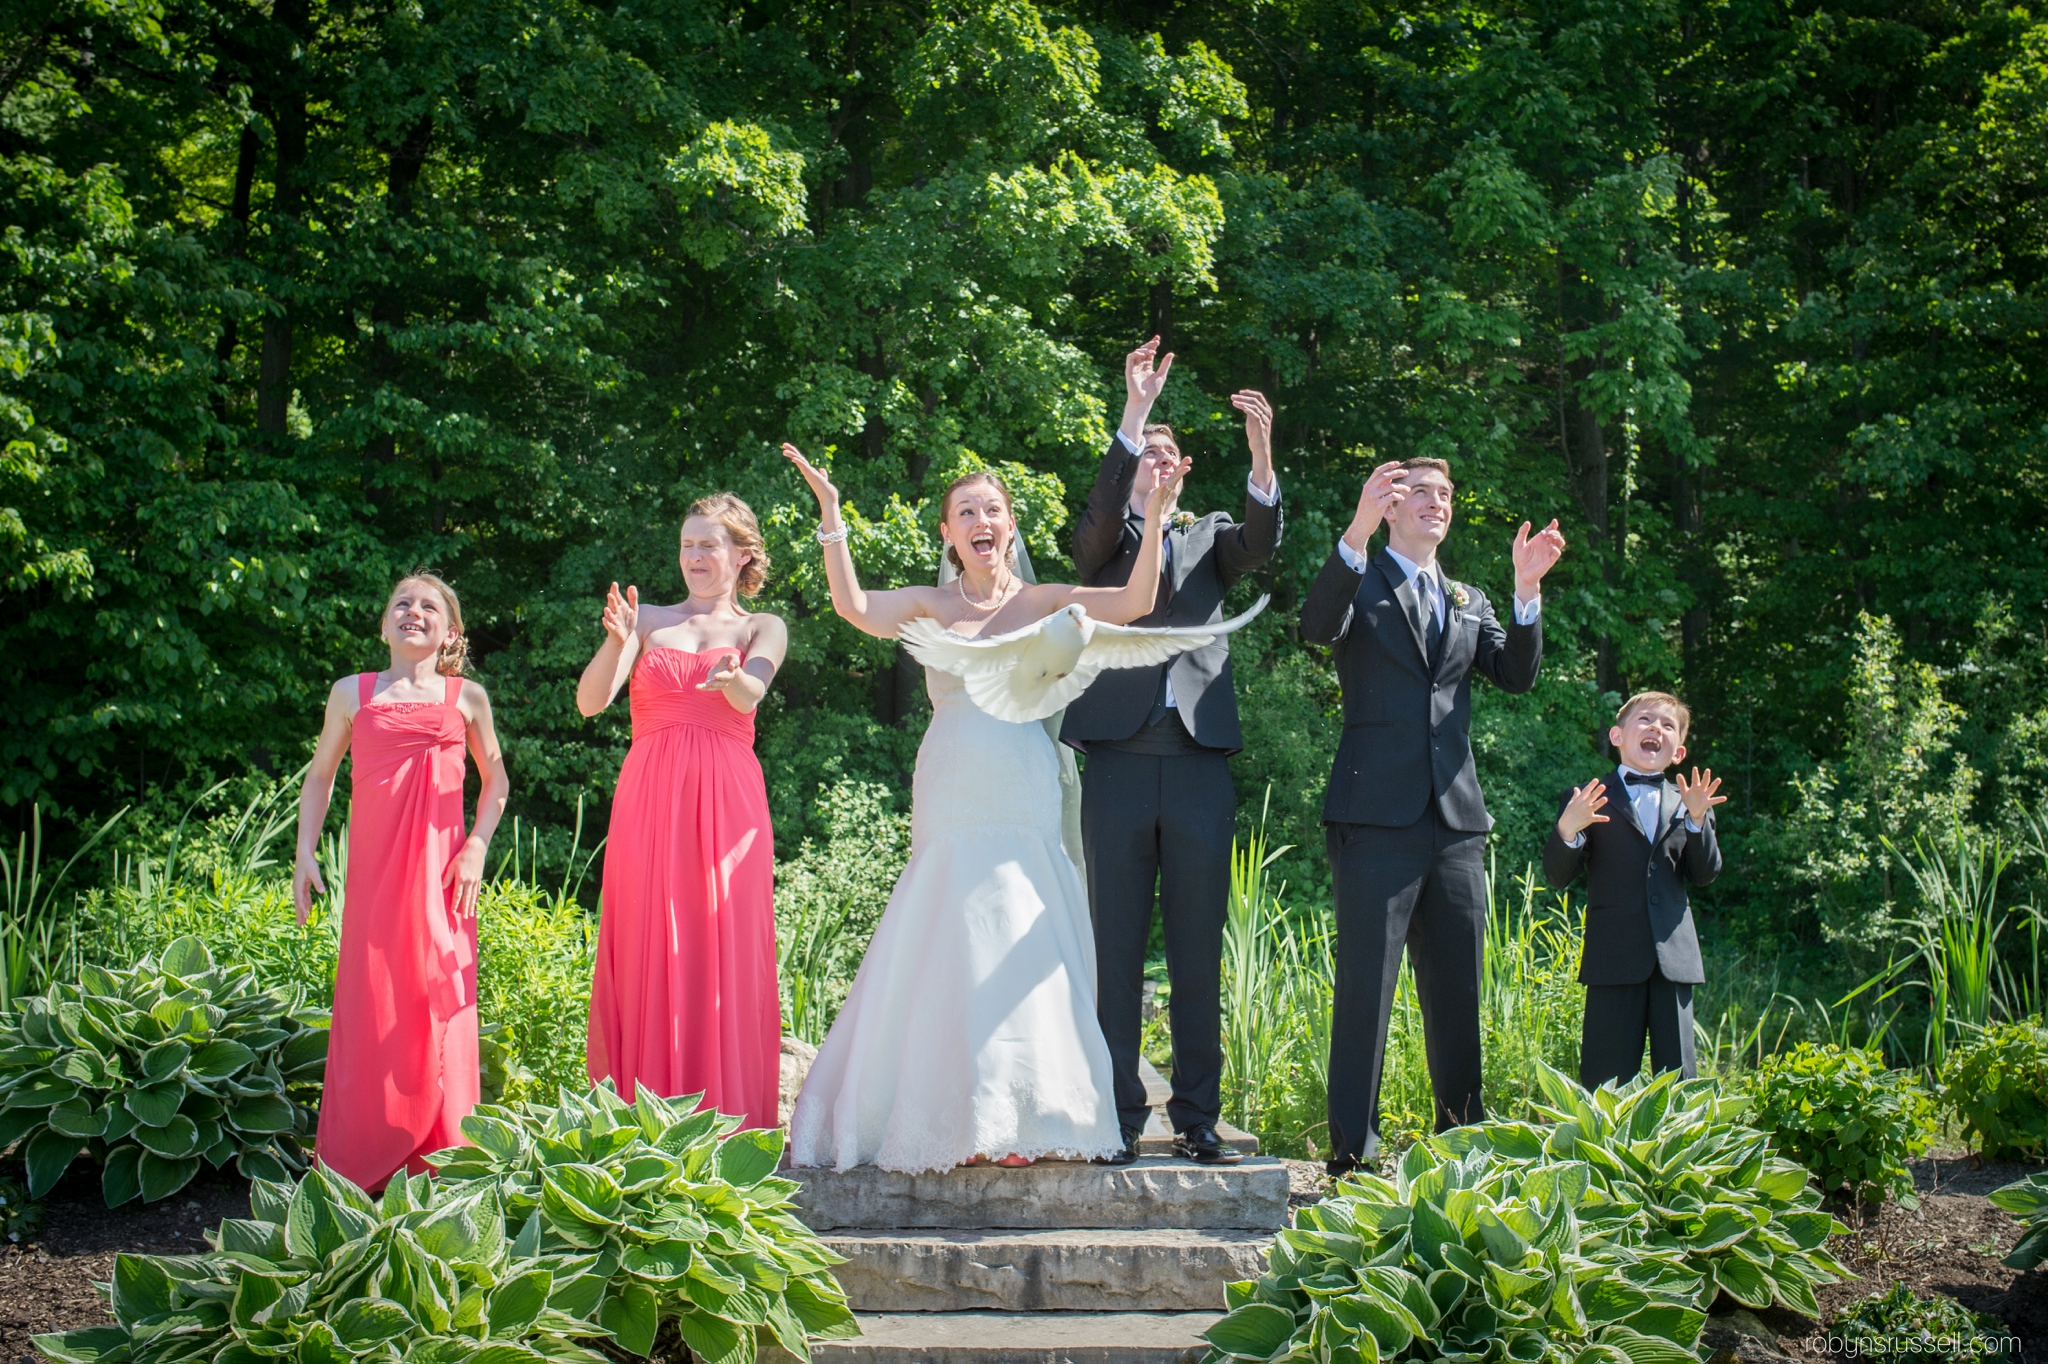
(402, 1058)
(685, 1000)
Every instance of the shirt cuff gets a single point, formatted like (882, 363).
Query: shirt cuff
(1251, 485)
(1691, 827)
(1128, 443)
(1577, 840)
(1353, 560)
(1527, 612)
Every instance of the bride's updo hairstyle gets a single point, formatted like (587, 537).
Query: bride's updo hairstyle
(1002, 491)
(738, 519)
(453, 659)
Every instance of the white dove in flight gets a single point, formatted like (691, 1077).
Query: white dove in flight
(1030, 673)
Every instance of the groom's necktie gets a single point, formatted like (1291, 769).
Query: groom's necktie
(1163, 699)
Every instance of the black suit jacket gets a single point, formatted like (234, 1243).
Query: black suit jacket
(1407, 725)
(1206, 559)
(1637, 913)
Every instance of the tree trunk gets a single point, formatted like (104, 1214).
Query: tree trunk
(288, 122)
(387, 312)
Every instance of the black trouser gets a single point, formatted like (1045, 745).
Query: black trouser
(1160, 820)
(1422, 887)
(1618, 1017)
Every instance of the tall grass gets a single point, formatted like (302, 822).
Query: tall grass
(1278, 974)
(38, 940)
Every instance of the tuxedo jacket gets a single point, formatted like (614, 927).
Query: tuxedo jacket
(1204, 561)
(1637, 913)
(1408, 717)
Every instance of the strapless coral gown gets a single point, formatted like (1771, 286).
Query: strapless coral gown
(684, 1000)
(401, 1060)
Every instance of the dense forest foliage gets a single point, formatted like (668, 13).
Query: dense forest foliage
(296, 295)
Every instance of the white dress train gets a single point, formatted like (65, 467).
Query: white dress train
(970, 1028)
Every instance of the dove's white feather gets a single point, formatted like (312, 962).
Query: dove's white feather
(1031, 673)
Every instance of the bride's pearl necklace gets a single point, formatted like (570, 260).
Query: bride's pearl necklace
(1004, 588)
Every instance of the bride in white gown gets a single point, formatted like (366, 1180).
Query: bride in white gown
(970, 1031)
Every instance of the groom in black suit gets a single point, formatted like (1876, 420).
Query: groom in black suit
(1157, 807)
(1403, 819)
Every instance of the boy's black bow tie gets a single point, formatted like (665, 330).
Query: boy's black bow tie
(1639, 779)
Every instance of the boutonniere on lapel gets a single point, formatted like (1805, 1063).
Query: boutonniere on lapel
(1460, 598)
(1181, 520)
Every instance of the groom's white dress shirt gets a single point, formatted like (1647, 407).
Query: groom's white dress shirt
(1266, 497)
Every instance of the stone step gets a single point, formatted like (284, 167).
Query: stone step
(1072, 1270)
(1152, 1192)
(1020, 1338)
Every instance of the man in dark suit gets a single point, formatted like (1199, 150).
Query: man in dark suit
(1403, 819)
(1157, 807)
(1642, 957)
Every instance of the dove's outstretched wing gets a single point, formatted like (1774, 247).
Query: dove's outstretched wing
(1031, 673)
(1016, 676)
(1140, 646)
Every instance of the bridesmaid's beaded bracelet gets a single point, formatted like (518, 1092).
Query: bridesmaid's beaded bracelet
(826, 537)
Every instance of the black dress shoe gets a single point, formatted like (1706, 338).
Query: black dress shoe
(1129, 1152)
(1339, 1166)
(1202, 1145)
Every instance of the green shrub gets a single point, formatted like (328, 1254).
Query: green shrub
(536, 950)
(686, 1229)
(323, 1275)
(2027, 1200)
(1898, 1316)
(1602, 1238)
(1840, 1113)
(1684, 1170)
(596, 1221)
(1456, 1257)
(154, 1068)
(1997, 1085)
(830, 896)
(21, 1217)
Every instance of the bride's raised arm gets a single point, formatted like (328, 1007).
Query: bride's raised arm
(875, 613)
(1122, 605)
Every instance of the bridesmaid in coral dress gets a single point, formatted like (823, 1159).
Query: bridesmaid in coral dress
(402, 1057)
(685, 1000)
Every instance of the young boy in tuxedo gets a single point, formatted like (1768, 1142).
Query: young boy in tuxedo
(1642, 957)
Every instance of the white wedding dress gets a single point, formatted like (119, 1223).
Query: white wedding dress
(971, 1025)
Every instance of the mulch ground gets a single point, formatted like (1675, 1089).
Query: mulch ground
(1951, 1244)
(47, 1284)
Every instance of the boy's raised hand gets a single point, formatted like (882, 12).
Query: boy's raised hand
(1698, 794)
(1583, 810)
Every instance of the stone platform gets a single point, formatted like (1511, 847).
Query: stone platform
(1056, 1263)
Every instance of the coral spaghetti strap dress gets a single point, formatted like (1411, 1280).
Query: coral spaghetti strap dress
(684, 1000)
(402, 1059)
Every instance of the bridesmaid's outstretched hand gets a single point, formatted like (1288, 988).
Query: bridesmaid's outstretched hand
(306, 883)
(723, 674)
(621, 614)
(820, 483)
(466, 874)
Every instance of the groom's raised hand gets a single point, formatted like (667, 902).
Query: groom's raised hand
(1258, 434)
(1382, 492)
(1143, 383)
(1535, 555)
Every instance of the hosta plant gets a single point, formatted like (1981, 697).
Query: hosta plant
(1846, 1117)
(2027, 1201)
(1467, 1258)
(322, 1275)
(155, 1068)
(1997, 1084)
(689, 1226)
(1683, 1172)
